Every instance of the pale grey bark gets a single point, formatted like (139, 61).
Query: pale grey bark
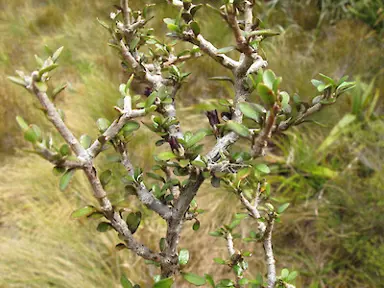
(90, 171)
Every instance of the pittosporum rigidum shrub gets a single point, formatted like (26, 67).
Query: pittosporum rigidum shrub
(169, 189)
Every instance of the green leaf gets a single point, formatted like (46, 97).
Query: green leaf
(83, 212)
(48, 69)
(225, 50)
(199, 163)
(125, 282)
(329, 79)
(66, 178)
(248, 111)
(219, 261)
(169, 21)
(184, 163)
(57, 54)
(210, 280)
(345, 86)
(194, 279)
(263, 168)
(269, 78)
(104, 227)
(282, 208)
(173, 27)
(151, 99)
(17, 81)
(292, 276)
(65, 150)
(183, 256)
(102, 124)
(317, 83)
(133, 43)
(58, 90)
(216, 233)
(165, 156)
(276, 84)
(133, 221)
(36, 132)
(224, 102)
(155, 176)
(238, 128)
(131, 126)
(266, 94)
(195, 27)
(196, 225)
(57, 171)
(226, 283)
(41, 86)
(196, 138)
(284, 273)
(23, 125)
(243, 281)
(162, 244)
(284, 98)
(105, 177)
(164, 283)
(85, 141)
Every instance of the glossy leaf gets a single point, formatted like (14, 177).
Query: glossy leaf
(162, 244)
(47, 69)
(131, 126)
(194, 279)
(196, 138)
(17, 81)
(249, 111)
(125, 282)
(85, 141)
(263, 168)
(58, 90)
(83, 212)
(209, 279)
(164, 283)
(282, 208)
(23, 125)
(102, 124)
(266, 94)
(269, 78)
(105, 177)
(165, 156)
(65, 150)
(196, 225)
(57, 54)
(238, 128)
(66, 179)
(133, 221)
(195, 27)
(183, 256)
(104, 227)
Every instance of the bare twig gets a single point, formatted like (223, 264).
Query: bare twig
(254, 212)
(210, 50)
(113, 130)
(268, 250)
(145, 196)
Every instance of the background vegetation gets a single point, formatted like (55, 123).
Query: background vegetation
(333, 231)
